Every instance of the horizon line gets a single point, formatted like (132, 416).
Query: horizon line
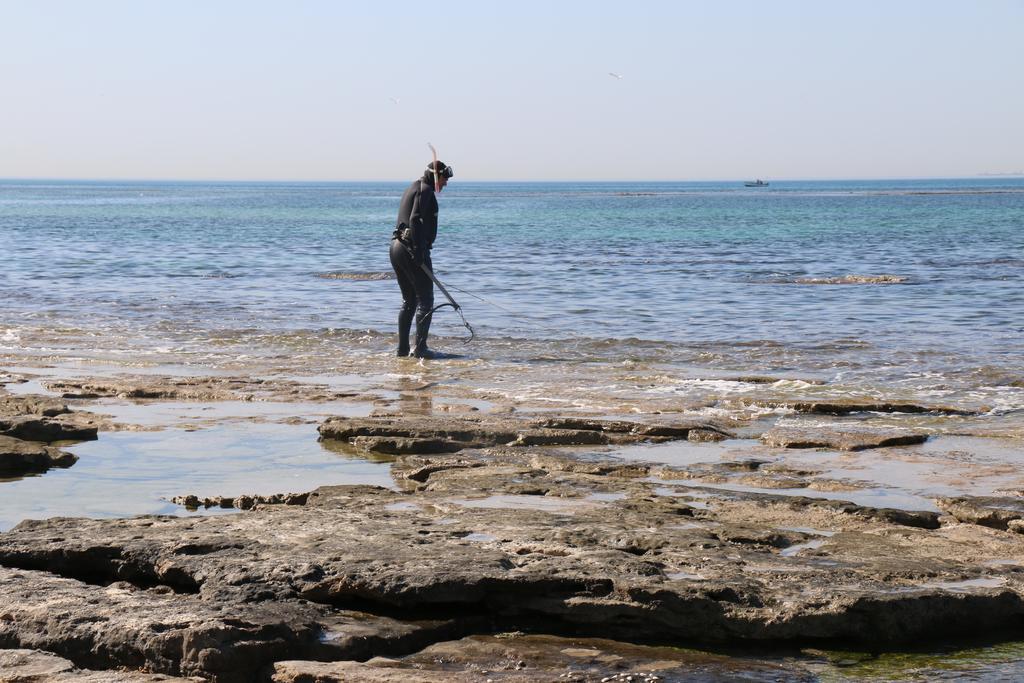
(977, 176)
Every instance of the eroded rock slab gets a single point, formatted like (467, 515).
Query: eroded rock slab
(616, 560)
(49, 429)
(998, 513)
(432, 435)
(536, 539)
(521, 658)
(19, 457)
(840, 438)
(32, 404)
(43, 418)
(35, 666)
(150, 387)
(233, 637)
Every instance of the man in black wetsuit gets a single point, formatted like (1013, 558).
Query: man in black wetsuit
(411, 243)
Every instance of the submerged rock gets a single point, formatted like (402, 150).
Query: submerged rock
(849, 407)
(853, 280)
(346, 275)
(522, 658)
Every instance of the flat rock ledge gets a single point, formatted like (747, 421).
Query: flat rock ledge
(35, 666)
(490, 541)
(997, 513)
(154, 388)
(400, 435)
(43, 418)
(19, 457)
(840, 438)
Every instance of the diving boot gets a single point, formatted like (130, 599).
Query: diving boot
(423, 352)
(404, 323)
(420, 349)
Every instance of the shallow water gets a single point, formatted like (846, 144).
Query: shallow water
(595, 659)
(193, 414)
(680, 275)
(132, 473)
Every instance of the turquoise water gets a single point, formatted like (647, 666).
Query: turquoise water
(684, 272)
(602, 291)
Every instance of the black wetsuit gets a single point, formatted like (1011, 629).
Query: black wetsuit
(411, 243)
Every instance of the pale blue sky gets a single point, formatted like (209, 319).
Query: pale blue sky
(514, 90)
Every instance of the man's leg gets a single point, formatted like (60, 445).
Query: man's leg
(402, 262)
(425, 302)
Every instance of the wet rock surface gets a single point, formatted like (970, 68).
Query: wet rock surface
(850, 407)
(19, 457)
(242, 502)
(28, 404)
(406, 435)
(998, 513)
(523, 658)
(43, 418)
(526, 522)
(216, 388)
(27, 421)
(35, 666)
(160, 623)
(849, 438)
(491, 540)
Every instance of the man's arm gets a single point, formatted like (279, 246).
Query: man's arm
(420, 241)
(430, 221)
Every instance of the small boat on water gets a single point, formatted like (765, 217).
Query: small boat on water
(756, 183)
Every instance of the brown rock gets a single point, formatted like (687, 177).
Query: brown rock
(840, 439)
(21, 457)
(31, 404)
(862, 406)
(998, 513)
(449, 434)
(233, 638)
(74, 427)
(35, 666)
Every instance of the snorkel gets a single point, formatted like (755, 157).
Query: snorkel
(433, 168)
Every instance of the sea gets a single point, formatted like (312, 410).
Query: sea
(607, 298)
(913, 282)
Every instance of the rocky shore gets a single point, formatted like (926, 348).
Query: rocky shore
(28, 422)
(511, 547)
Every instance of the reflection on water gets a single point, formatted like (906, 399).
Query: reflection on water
(1003, 662)
(189, 413)
(878, 498)
(596, 659)
(134, 473)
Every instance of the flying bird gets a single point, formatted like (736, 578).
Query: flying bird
(394, 99)
(615, 75)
